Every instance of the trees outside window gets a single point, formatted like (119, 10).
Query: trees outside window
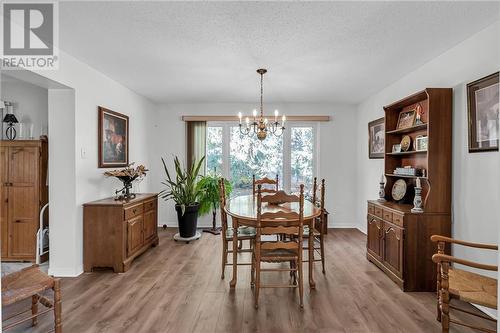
(237, 157)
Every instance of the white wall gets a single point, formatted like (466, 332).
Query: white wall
(91, 89)
(30, 104)
(337, 150)
(476, 177)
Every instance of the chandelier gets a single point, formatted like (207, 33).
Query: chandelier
(260, 126)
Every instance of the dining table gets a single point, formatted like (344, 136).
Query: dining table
(243, 211)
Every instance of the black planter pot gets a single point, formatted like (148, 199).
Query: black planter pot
(188, 221)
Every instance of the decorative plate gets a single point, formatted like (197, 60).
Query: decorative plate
(405, 143)
(399, 190)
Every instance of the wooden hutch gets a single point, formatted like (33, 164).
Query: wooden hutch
(398, 241)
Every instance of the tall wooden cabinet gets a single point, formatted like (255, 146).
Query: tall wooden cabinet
(398, 240)
(23, 192)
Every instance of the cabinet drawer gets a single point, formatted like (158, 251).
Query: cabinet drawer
(150, 205)
(371, 209)
(387, 215)
(378, 212)
(131, 212)
(397, 219)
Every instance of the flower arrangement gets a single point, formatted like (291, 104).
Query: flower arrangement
(127, 176)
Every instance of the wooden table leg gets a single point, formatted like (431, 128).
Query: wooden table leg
(310, 246)
(232, 284)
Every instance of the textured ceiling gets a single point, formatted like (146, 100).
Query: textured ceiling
(315, 52)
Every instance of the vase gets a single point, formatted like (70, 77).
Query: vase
(187, 222)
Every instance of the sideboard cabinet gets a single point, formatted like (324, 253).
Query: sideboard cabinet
(118, 231)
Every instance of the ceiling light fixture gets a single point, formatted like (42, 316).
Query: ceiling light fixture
(260, 126)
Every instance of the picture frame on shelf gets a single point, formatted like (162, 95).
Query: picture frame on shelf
(406, 119)
(113, 139)
(483, 113)
(376, 138)
(421, 143)
(396, 148)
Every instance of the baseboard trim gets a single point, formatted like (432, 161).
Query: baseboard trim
(65, 272)
(489, 312)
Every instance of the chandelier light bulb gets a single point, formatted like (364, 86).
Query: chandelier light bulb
(254, 113)
(247, 120)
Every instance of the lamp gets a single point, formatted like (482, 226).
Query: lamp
(10, 119)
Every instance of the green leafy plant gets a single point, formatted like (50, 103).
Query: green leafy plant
(210, 199)
(185, 189)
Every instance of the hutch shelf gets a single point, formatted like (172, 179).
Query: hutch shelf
(398, 241)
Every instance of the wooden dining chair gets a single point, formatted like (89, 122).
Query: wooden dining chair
(319, 229)
(287, 249)
(26, 283)
(243, 233)
(463, 285)
(268, 185)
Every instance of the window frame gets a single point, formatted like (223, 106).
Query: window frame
(286, 182)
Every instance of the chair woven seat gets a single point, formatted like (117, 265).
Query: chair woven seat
(243, 232)
(473, 287)
(278, 255)
(23, 284)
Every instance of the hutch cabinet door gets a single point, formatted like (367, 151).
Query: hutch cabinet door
(23, 221)
(374, 238)
(393, 248)
(23, 168)
(135, 235)
(4, 179)
(150, 224)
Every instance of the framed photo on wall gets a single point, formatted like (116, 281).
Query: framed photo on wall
(112, 138)
(376, 138)
(482, 108)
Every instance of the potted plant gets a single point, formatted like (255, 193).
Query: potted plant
(186, 192)
(210, 201)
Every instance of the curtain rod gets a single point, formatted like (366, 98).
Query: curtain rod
(235, 118)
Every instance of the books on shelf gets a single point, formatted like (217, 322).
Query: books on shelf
(408, 171)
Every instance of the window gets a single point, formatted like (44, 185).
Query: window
(301, 157)
(248, 156)
(214, 150)
(291, 156)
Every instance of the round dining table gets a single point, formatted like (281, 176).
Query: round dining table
(243, 211)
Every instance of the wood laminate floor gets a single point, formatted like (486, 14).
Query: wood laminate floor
(177, 288)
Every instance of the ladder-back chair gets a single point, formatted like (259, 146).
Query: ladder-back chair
(318, 232)
(463, 285)
(31, 282)
(273, 188)
(284, 250)
(244, 233)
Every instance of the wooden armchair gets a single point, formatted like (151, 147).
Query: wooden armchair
(265, 181)
(463, 285)
(28, 283)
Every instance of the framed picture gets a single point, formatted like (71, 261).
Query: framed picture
(421, 143)
(376, 138)
(406, 119)
(112, 138)
(482, 107)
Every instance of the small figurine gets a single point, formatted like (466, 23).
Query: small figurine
(420, 112)
(381, 191)
(417, 201)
